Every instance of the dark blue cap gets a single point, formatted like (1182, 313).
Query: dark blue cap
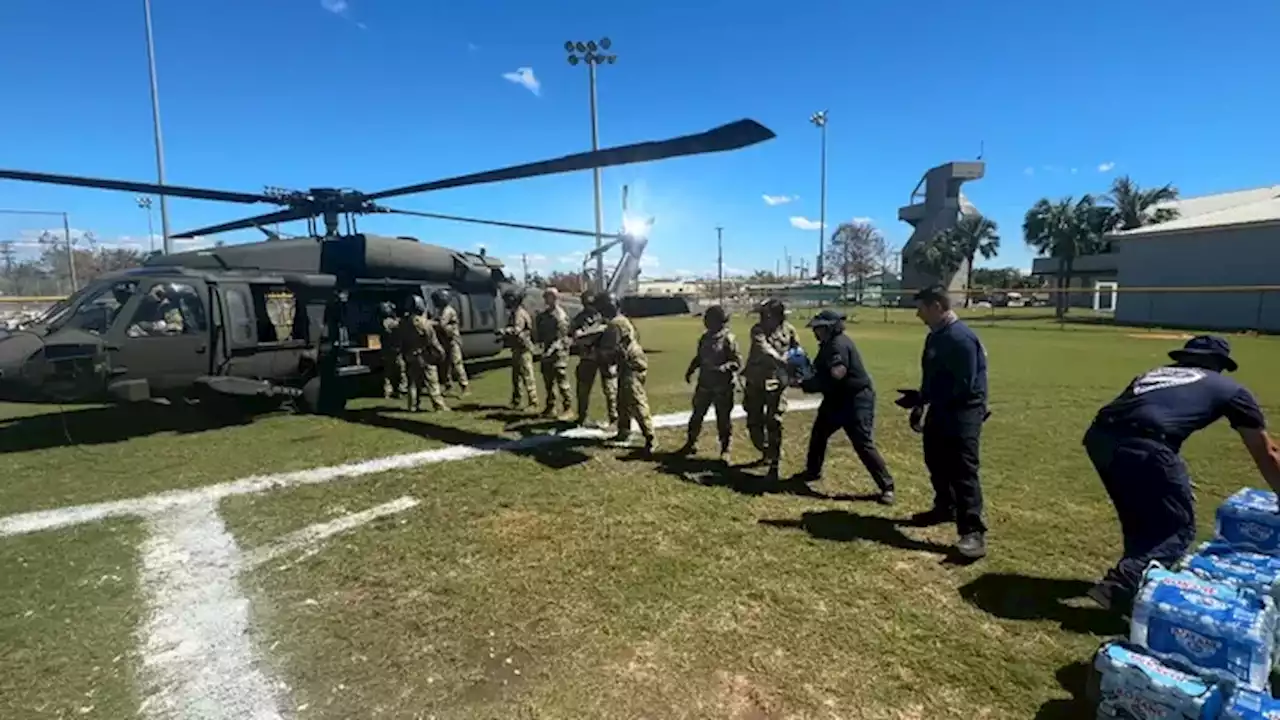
(1202, 346)
(826, 318)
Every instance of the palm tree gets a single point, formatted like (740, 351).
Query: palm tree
(936, 256)
(972, 235)
(1065, 230)
(1134, 207)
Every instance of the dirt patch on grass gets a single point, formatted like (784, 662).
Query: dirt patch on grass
(1160, 336)
(742, 699)
(519, 527)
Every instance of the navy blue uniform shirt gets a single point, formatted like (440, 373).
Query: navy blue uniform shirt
(953, 369)
(1169, 403)
(838, 352)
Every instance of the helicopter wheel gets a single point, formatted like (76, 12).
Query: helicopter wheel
(316, 402)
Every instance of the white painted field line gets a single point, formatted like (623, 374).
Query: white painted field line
(310, 537)
(197, 655)
(74, 515)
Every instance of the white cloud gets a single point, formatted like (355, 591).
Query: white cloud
(535, 260)
(1106, 167)
(337, 7)
(525, 78)
(735, 271)
(648, 261)
(682, 273)
(1028, 171)
(804, 223)
(862, 220)
(779, 199)
(574, 258)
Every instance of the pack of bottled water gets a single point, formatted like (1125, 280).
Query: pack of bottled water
(799, 367)
(1133, 684)
(1218, 560)
(1248, 520)
(1245, 705)
(1213, 628)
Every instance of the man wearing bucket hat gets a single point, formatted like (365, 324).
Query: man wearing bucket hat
(848, 402)
(1135, 441)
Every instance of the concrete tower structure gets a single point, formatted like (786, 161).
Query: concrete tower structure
(936, 205)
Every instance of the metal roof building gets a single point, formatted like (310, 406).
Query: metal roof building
(1205, 268)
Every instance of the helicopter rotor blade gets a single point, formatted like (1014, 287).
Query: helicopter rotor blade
(276, 217)
(138, 187)
(499, 223)
(733, 136)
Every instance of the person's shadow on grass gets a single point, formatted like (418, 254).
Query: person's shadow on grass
(1022, 597)
(844, 526)
(1073, 678)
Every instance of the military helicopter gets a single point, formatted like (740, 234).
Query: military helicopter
(198, 325)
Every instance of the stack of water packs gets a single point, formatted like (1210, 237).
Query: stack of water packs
(1202, 642)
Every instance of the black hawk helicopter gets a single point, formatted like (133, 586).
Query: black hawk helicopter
(198, 325)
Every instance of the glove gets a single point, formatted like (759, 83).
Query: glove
(909, 399)
(917, 418)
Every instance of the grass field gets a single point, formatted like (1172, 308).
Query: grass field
(573, 580)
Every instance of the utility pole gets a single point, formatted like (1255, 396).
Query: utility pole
(524, 262)
(144, 202)
(720, 262)
(820, 120)
(592, 58)
(155, 121)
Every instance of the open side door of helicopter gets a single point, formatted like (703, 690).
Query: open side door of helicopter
(159, 342)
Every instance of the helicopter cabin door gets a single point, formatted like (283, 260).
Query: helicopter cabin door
(160, 341)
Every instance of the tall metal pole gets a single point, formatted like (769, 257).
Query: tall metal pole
(820, 119)
(593, 54)
(720, 262)
(155, 120)
(595, 176)
(71, 257)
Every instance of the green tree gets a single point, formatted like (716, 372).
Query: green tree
(1065, 230)
(972, 235)
(937, 256)
(1133, 207)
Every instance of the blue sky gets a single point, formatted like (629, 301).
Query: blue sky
(379, 93)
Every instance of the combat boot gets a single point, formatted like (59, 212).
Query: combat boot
(650, 446)
(549, 411)
(972, 546)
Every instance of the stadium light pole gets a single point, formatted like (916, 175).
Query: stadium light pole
(66, 237)
(819, 119)
(155, 122)
(720, 263)
(144, 202)
(590, 53)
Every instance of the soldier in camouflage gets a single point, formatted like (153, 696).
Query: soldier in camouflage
(165, 317)
(620, 345)
(765, 381)
(551, 331)
(518, 336)
(717, 363)
(422, 353)
(452, 369)
(393, 371)
(586, 335)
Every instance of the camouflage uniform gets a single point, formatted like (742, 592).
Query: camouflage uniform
(620, 344)
(717, 363)
(586, 337)
(551, 331)
(422, 353)
(393, 371)
(762, 394)
(451, 369)
(518, 335)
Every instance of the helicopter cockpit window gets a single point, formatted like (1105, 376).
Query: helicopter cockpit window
(169, 309)
(96, 309)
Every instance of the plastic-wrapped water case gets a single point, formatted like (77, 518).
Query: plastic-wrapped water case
(1213, 628)
(1248, 521)
(1217, 560)
(1133, 684)
(1245, 705)
(799, 367)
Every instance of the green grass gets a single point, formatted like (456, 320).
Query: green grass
(628, 588)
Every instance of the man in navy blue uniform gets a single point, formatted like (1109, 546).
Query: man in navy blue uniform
(1135, 441)
(848, 403)
(952, 401)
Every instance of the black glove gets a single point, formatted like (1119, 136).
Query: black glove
(909, 399)
(917, 418)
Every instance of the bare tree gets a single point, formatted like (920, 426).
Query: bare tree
(856, 250)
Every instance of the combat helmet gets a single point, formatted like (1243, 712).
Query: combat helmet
(607, 304)
(513, 295)
(772, 306)
(716, 314)
(417, 305)
(440, 297)
(387, 309)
